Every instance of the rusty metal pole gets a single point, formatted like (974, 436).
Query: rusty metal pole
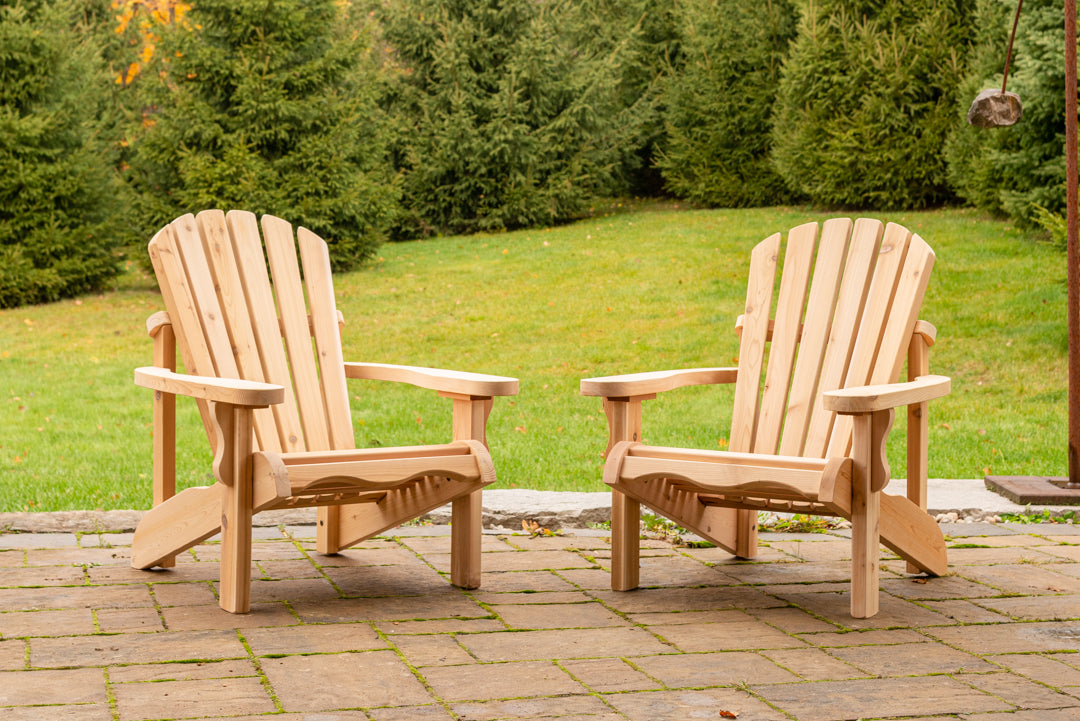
(1073, 231)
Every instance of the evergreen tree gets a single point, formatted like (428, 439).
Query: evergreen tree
(502, 121)
(867, 99)
(719, 102)
(58, 192)
(644, 36)
(265, 105)
(1016, 170)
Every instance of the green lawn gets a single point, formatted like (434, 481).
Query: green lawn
(620, 292)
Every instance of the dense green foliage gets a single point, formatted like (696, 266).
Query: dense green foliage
(267, 106)
(502, 122)
(719, 101)
(59, 194)
(362, 119)
(1016, 170)
(867, 100)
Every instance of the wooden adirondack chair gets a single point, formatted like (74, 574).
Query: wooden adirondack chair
(268, 373)
(808, 437)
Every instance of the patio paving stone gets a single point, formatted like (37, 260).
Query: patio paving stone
(432, 650)
(343, 681)
(1025, 580)
(46, 623)
(121, 620)
(700, 637)
(185, 699)
(208, 616)
(478, 682)
(12, 655)
(377, 633)
(61, 597)
(1019, 692)
(135, 648)
(713, 669)
(184, 594)
(695, 704)
(191, 671)
(562, 615)
(910, 659)
(574, 643)
(1046, 670)
(82, 712)
(68, 686)
(338, 638)
(878, 698)
(566, 708)
(1036, 608)
(812, 664)
(608, 675)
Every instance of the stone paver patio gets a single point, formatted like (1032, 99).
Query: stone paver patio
(378, 634)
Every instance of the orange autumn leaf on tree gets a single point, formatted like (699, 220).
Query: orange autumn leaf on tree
(143, 20)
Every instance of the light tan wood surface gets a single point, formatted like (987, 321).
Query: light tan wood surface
(820, 356)
(262, 351)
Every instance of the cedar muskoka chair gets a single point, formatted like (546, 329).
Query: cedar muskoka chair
(270, 382)
(810, 436)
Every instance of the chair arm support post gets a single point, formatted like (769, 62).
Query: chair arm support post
(918, 445)
(624, 424)
(918, 427)
(870, 473)
(164, 440)
(234, 426)
(466, 514)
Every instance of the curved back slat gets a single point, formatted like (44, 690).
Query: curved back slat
(817, 325)
(755, 329)
(850, 300)
(794, 280)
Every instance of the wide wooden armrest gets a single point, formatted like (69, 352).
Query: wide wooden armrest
(472, 384)
(222, 390)
(642, 384)
(867, 399)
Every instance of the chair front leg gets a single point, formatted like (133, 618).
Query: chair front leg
(164, 424)
(918, 435)
(869, 477)
(233, 467)
(624, 424)
(466, 520)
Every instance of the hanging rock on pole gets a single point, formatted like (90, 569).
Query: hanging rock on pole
(994, 108)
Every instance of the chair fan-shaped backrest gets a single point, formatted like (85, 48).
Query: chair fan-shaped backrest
(843, 316)
(231, 321)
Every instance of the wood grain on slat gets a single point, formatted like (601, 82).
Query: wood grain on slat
(200, 284)
(759, 293)
(251, 262)
(904, 312)
(820, 306)
(221, 258)
(862, 254)
(180, 305)
(794, 280)
(324, 324)
(879, 301)
(285, 271)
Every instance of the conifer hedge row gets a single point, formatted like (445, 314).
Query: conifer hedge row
(375, 119)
